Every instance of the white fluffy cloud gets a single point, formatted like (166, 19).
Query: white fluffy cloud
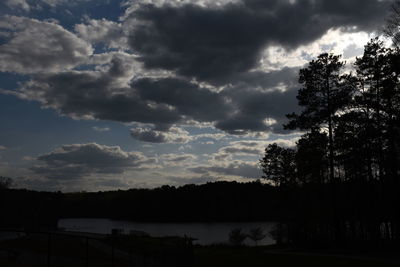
(39, 46)
(110, 33)
(172, 135)
(333, 41)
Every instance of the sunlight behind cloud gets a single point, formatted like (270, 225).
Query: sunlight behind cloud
(334, 41)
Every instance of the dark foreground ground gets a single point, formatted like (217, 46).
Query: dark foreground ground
(219, 256)
(32, 251)
(65, 249)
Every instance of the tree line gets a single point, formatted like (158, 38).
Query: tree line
(210, 202)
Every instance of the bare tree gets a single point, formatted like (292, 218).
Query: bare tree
(237, 237)
(256, 234)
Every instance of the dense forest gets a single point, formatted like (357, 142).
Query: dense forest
(211, 202)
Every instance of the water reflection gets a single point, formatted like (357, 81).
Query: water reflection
(205, 233)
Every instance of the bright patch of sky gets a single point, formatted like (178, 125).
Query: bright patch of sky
(349, 45)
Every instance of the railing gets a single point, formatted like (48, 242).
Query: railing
(59, 249)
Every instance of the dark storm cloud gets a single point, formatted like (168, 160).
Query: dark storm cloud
(236, 109)
(95, 95)
(148, 135)
(164, 102)
(78, 160)
(253, 107)
(215, 44)
(267, 80)
(86, 95)
(188, 99)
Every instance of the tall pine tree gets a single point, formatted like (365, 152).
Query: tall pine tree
(322, 96)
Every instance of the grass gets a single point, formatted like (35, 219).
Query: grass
(220, 256)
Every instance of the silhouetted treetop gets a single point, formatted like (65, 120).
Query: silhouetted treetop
(5, 182)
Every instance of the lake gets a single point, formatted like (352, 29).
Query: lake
(205, 233)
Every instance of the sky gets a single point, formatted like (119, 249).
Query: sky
(115, 94)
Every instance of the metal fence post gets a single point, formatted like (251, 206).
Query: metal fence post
(130, 257)
(87, 251)
(48, 250)
(112, 252)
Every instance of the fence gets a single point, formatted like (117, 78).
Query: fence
(59, 249)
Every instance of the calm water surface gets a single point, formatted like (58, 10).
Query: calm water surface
(206, 233)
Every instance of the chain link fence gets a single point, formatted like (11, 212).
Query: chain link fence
(59, 249)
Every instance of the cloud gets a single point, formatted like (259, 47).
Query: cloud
(189, 99)
(248, 148)
(54, 3)
(177, 159)
(197, 64)
(18, 4)
(107, 93)
(172, 135)
(101, 129)
(226, 154)
(213, 136)
(258, 110)
(252, 104)
(79, 160)
(235, 168)
(352, 51)
(99, 94)
(217, 44)
(30, 5)
(40, 46)
(102, 31)
(2, 148)
(244, 148)
(136, 4)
